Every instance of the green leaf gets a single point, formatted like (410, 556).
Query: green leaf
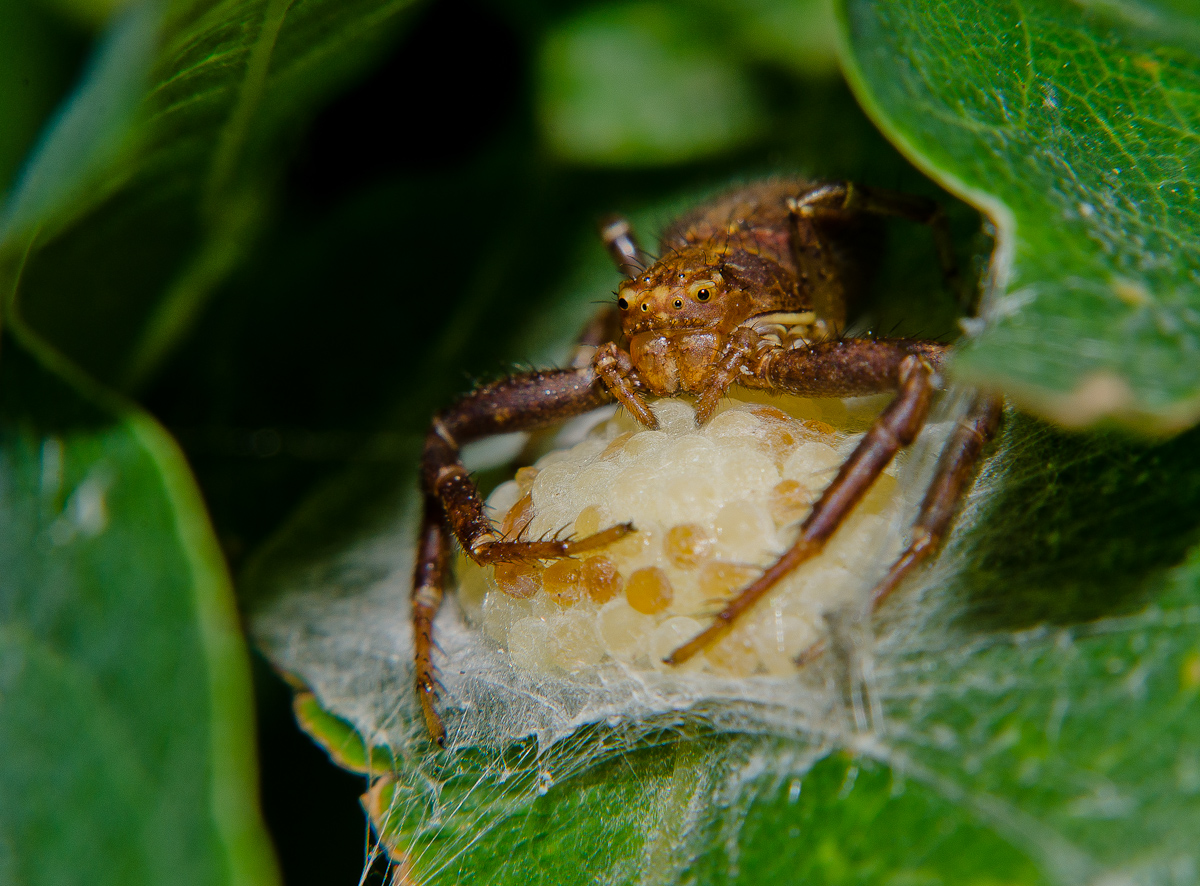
(185, 121)
(658, 815)
(125, 711)
(840, 822)
(1077, 129)
(641, 85)
(346, 747)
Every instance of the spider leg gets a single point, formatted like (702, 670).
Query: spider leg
(622, 245)
(615, 368)
(844, 198)
(847, 367)
(596, 346)
(738, 350)
(518, 403)
(604, 326)
(452, 502)
(429, 582)
(954, 470)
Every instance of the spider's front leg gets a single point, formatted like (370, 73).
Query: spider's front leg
(453, 503)
(837, 369)
(744, 347)
(612, 362)
(615, 368)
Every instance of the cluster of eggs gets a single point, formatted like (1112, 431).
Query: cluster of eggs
(711, 508)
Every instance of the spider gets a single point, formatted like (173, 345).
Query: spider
(752, 289)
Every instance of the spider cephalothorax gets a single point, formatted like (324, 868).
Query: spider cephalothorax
(679, 315)
(751, 289)
(677, 318)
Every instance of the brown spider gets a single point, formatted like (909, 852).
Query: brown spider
(752, 289)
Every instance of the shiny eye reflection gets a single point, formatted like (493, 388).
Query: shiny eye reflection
(645, 306)
(703, 295)
(678, 303)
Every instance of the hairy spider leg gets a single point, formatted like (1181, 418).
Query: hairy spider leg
(615, 368)
(605, 325)
(965, 447)
(619, 240)
(838, 198)
(429, 583)
(846, 368)
(518, 403)
(612, 362)
(738, 349)
(955, 468)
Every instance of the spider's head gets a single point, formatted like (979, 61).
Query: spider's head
(683, 290)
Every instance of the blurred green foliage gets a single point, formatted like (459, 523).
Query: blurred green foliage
(39, 55)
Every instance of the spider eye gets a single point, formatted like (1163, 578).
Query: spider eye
(622, 304)
(703, 295)
(678, 303)
(645, 306)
